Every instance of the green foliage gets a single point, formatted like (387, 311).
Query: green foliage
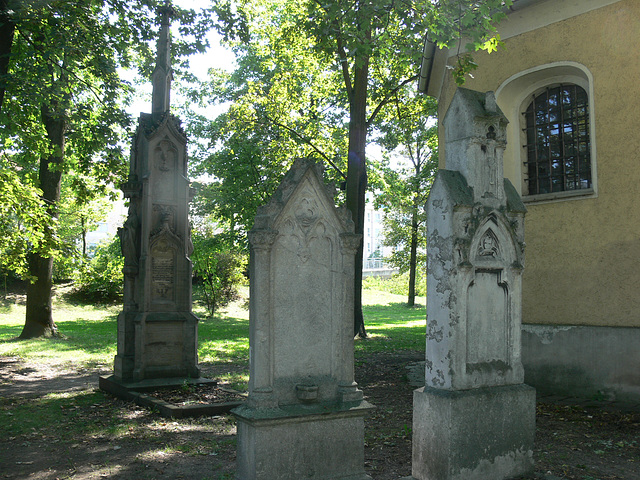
(218, 267)
(83, 207)
(22, 219)
(408, 132)
(397, 284)
(100, 278)
(452, 22)
(281, 106)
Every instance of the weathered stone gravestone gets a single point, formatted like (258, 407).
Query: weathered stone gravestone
(157, 332)
(475, 418)
(304, 418)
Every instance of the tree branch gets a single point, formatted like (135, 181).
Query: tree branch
(344, 65)
(63, 67)
(308, 142)
(388, 97)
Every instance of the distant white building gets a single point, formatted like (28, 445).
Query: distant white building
(108, 228)
(373, 249)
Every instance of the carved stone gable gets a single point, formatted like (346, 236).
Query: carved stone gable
(302, 393)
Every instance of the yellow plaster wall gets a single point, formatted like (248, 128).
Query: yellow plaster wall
(583, 255)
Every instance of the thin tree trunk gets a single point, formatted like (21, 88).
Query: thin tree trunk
(84, 237)
(413, 252)
(357, 177)
(39, 318)
(411, 301)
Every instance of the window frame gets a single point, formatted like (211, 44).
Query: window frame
(568, 124)
(514, 96)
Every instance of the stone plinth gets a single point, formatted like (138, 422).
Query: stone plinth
(304, 415)
(475, 418)
(477, 434)
(301, 442)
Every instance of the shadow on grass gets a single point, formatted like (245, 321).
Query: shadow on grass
(93, 432)
(223, 339)
(393, 327)
(78, 299)
(23, 384)
(92, 336)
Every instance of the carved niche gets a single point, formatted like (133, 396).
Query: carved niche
(488, 314)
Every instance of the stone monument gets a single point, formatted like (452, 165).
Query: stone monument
(475, 418)
(157, 332)
(304, 417)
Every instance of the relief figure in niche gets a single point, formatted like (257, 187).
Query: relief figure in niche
(489, 246)
(164, 219)
(166, 156)
(129, 235)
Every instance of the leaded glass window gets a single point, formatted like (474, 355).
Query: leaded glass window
(558, 146)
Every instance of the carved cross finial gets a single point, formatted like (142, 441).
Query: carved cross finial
(162, 75)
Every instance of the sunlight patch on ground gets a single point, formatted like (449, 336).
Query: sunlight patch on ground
(408, 324)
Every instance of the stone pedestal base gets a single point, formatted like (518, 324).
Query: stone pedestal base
(156, 345)
(478, 434)
(319, 442)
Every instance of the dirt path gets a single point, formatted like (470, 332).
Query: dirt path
(55, 424)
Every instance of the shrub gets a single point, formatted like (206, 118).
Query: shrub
(397, 284)
(101, 278)
(218, 267)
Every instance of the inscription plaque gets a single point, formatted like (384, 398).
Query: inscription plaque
(163, 271)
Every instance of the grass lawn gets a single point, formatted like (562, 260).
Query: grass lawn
(89, 332)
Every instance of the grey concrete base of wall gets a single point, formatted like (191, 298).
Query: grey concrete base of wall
(479, 434)
(316, 442)
(600, 363)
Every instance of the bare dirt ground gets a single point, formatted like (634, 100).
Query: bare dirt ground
(107, 438)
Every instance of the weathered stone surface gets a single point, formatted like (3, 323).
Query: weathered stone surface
(477, 434)
(304, 414)
(157, 332)
(475, 233)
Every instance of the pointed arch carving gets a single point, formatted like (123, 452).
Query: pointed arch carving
(493, 242)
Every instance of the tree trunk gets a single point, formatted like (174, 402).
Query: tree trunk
(7, 28)
(39, 319)
(413, 252)
(84, 237)
(411, 301)
(357, 176)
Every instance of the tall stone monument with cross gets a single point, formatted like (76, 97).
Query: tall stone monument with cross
(157, 331)
(475, 418)
(304, 418)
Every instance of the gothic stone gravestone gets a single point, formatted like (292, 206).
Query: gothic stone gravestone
(475, 418)
(304, 418)
(157, 332)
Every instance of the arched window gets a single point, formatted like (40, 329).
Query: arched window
(557, 141)
(551, 142)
